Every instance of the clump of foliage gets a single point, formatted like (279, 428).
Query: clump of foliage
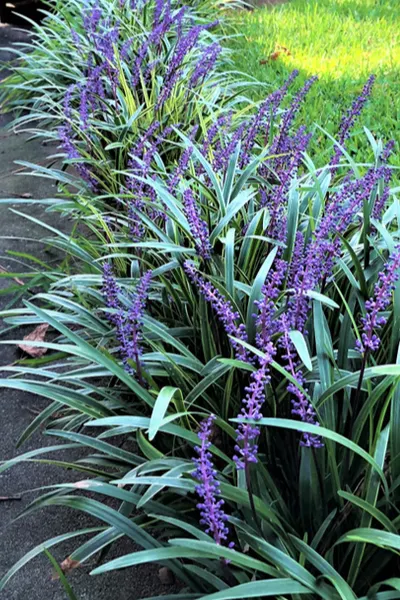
(226, 343)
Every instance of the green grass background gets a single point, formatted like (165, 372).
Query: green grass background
(341, 41)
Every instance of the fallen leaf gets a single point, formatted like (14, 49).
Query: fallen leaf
(166, 576)
(37, 335)
(276, 54)
(82, 485)
(66, 566)
(285, 50)
(8, 498)
(19, 281)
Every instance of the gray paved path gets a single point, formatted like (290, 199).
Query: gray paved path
(34, 581)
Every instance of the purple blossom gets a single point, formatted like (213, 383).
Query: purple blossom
(128, 323)
(277, 200)
(92, 19)
(220, 125)
(266, 327)
(222, 152)
(280, 144)
(205, 64)
(382, 199)
(160, 7)
(180, 169)
(83, 109)
(183, 162)
(68, 142)
(246, 447)
(76, 40)
(198, 227)
(136, 311)
(184, 45)
(302, 407)
(110, 290)
(381, 299)
(213, 517)
(263, 119)
(126, 47)
(223, 308)
(297, 258)
(94, 84)
(323, 252)
(350, 118)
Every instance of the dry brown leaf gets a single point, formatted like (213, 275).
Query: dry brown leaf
(37, 335)
(166, 576)
(276, 54)
(19, 281)
(66, 566)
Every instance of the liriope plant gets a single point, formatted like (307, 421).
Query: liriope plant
(267, 302)
(233, 312)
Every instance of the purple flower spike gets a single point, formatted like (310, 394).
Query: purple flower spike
(110, 290)
(302, 407)
(381, 299)
(382, 199)
(128, 323)
(184, 45)
(205, 64)
(67, 138)
(224, 310)
(350, 118)
(212, 514)
(280, 145)
(198, 227)
(247, 433)
(265, 325)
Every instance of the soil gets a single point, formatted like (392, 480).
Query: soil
(17, 537)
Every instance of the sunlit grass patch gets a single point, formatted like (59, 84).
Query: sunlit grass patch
(341, 41)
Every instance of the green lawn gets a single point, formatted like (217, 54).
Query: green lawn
(341, 41)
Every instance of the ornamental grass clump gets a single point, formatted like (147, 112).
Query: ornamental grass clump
(225, 346)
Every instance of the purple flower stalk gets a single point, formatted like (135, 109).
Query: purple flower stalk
(92, 19)
(246, 447)
(184, 45)
(302, 407)
(264, 118)
(381, 299)
(83, 109)
(382, 199)
(266, 327)
(205, 65)
(350, 118)
(198, 227)
(277, 202)
(325, 249)
(223, 152)
(110, 291)
(220, 125)
(67, 138)
(180, 169)
(128, 323)
(280, 145)
(223, 308)
(213, 517)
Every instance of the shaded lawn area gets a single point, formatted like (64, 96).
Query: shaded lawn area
(341, 41)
